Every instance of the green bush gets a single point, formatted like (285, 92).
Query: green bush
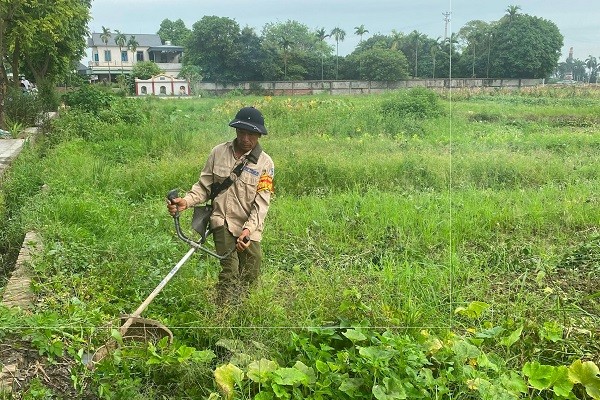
(23, 108)
(48, 97)
(90, 98)
(417, 102)
(125, 110)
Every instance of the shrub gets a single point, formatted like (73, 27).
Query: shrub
(417, 102)
(90, 98)
(22, 108)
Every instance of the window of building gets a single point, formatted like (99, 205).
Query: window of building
(107, 56)
(163, 90)
(96, 57)
(144, 90)
(140, 56)
(124, 56)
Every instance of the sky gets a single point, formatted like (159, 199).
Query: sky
(577, 20)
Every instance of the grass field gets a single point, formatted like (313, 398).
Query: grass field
(468, 214)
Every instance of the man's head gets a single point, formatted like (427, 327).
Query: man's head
(249, 119)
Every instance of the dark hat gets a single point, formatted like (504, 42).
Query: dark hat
(249, 119)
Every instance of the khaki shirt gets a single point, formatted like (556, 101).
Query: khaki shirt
(246, 202)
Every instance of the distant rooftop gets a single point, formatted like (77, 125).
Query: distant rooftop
(143, 39)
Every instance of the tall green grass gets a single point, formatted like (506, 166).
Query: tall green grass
(381, 217)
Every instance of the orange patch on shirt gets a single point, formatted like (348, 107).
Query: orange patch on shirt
(265, 182)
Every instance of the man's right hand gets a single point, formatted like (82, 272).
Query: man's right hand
(175, 205)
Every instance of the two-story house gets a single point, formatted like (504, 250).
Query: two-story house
(109, 60)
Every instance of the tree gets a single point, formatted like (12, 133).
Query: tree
(145, 70)
(511, 13)
(105, 37)
(132, 45)
(383, 65)
(252, 53)
(285, 44)
(293, 42)
(174, 31)
(417, 38)
(193, 74)
(591, 63)
(121, 41)
(360, 31)
(44, 37)
(473, 34)
(214, 46)
(396, 39)
(526, 47)
(433, 50)
(321, 36)
(339, 35)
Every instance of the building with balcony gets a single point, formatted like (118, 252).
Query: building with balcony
(109, 60)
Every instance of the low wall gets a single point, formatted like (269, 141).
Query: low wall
(277, 88)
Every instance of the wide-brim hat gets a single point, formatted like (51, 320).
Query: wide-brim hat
(249, 119)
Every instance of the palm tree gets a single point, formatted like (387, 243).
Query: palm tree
(132, 45)
(360, 31)
(511, 12)
(321, 36)
(339, 35)
(285, 44)
(120, 40)
(433, 50)
(105, 36)
(396, 39)
(591, 63)
(417, 37)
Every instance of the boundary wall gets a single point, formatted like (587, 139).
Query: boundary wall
(277, 88)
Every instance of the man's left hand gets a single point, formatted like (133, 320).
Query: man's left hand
(243, 241)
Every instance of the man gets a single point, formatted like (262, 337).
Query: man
(239, 208)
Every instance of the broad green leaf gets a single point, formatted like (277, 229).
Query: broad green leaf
(474, 310)
(264, 396)
(280, 391)
(321, 366)
(514, 383)
(561, 384)
(551, 331)
(540, 376)
(203, 356)
(391, 389)
(465, 351)
(226, 377)
(586, 373)
(260, 371)
(351, 385)
(184, 353)
(512, 338)
(289, 377)
(354, 335)
(484, 362)
(490, 333)
(375, 354)
(117, 336)
(310, 373)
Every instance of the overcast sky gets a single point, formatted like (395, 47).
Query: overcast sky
(577, 20)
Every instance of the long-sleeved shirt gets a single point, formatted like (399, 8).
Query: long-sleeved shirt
(246, 202)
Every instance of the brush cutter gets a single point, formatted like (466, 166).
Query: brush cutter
(142, 329)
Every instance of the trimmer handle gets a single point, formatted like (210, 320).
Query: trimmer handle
(172, 195)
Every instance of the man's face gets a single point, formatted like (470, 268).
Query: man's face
(246, 140)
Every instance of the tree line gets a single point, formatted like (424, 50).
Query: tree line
(219, 50)
(44, 40)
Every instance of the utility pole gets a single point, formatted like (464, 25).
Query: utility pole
(446, 20)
